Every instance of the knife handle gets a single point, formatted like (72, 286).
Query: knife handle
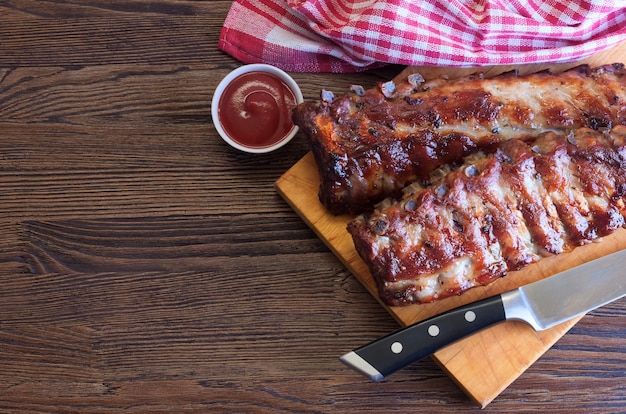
(405, 346)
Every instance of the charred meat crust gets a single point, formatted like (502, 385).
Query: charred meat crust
(369, 144)
(498, 211)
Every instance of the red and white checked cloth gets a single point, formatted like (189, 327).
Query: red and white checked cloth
(354, 35)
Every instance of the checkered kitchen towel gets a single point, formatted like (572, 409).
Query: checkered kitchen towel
(353, 35)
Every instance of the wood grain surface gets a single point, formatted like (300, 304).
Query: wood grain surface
(147, 267)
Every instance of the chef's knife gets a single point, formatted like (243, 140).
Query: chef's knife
(541, 304)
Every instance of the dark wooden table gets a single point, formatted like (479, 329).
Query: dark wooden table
(148, 267)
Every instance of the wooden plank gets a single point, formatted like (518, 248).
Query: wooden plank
(484, 364)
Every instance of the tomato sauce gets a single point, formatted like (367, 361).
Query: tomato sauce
(255, 109)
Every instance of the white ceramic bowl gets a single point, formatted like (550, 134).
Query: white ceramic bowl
(287, 80)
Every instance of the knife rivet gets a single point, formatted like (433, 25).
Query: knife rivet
(396, 347)
(433, 330)
(470, 316)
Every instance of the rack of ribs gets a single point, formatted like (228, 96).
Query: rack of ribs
(498, 211)
(370, 144)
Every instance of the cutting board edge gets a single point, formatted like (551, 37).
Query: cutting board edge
(484, 399)
(372, 290)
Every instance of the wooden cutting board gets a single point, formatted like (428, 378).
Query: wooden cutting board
(484, 364)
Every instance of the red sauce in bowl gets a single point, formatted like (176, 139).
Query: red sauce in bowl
(255, 109)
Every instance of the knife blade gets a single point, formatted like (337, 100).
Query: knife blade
(542, 304)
